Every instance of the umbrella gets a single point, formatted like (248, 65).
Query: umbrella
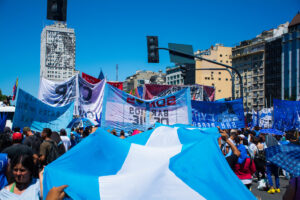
(82, 122)
(271, 131)
(286, 157)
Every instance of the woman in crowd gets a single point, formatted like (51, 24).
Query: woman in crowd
(24, 185)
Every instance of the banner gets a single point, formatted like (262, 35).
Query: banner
(94, 80)
(122, 111)
(161, 164)
(37, 115)
(263, 119)
(226, 115)
(198, 92)
(90, 99)
(87, 97)
(286, 115)
(58, 93)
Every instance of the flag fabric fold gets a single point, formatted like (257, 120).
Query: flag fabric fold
(168, 162)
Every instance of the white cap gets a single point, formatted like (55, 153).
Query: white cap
(241, 136)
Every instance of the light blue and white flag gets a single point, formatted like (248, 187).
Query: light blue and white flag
(37, 115)
(122, 111)
(172, 163)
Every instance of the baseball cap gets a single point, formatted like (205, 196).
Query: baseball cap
(17, 136)
(241, 136)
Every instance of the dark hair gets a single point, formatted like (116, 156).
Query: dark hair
(86, 133)
(47, 131)
(5, 141)
(26, 161)
(237, 140)
(17, 129)
(63, 132)
(122, 133)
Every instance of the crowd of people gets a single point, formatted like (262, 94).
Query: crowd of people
(24, 154)
(245, 152)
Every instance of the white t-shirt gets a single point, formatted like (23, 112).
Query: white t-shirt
(66, 141)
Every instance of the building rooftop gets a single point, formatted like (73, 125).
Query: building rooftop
(295, 20)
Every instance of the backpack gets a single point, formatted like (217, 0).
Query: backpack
(260, 155)
(53, 152)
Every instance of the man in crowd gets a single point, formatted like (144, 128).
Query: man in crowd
(48, 148)
(33, 142)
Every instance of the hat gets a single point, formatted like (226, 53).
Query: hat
(26, 129)
(241, 136)
(233, 131)
(17, 136)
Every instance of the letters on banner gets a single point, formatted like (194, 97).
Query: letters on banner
(286, 115)
(37, 115)
(123, 111)
(226, 115)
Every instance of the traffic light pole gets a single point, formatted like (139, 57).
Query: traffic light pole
(211, 61)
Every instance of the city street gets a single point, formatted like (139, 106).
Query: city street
(263, 195)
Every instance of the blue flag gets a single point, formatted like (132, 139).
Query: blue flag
(225, 114)
(37, 115)
(286, 115)
(164, 163)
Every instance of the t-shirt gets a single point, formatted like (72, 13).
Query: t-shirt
(34, 143)
(66, 141)
(45, 149)
(32, 192)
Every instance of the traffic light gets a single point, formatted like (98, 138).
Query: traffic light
(152, 44)
(57, 10)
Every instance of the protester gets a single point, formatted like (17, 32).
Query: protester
(24, 185)
(48, 149)
(271, 168)
(33, 142)
(65, 139)
(5, 141)
(122, 134)
(245, 171)
(260, 159)
(60, 146)
(232, 159)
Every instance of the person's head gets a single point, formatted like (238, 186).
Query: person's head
(17, 137)
(255, 140)
(63, 132)
(80, 130)
(233, 133)
(122, 133)
(256, 128)
(17, 129)
(22, 168)
(5, 141)
(46, 133)
(114, 132)
(7, 130)
(237, 140)
(86, 133)
(262, 138)
(27, 131)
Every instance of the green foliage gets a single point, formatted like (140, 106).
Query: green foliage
(2, 97)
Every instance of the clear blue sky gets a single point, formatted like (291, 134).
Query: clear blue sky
(114, 32)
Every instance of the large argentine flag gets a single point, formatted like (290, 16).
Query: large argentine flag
(165, 163)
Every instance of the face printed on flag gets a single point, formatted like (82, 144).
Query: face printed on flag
(170, 163)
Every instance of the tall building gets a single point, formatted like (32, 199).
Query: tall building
(143, 77)
(57, 52)
(174, 75)
(220, 79)
(291, 61)
(257, 62)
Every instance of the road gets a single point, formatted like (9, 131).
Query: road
(263, 195)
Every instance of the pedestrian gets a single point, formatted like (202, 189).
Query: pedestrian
(65, 139)
(48, 149)
(33, 142)
(122, 134)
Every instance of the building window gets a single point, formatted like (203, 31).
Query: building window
(219, 90)
(221, 55)
(219, 79)
(221, 61)
(226, 79)
(219, 72)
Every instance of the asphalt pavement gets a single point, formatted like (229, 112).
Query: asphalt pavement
(263, 195)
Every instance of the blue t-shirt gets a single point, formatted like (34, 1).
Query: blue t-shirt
(3, 166)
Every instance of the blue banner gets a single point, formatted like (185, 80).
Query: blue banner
(286, 115)
(122, 111)
(37, 115)
(225, 114)
(3, 117)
